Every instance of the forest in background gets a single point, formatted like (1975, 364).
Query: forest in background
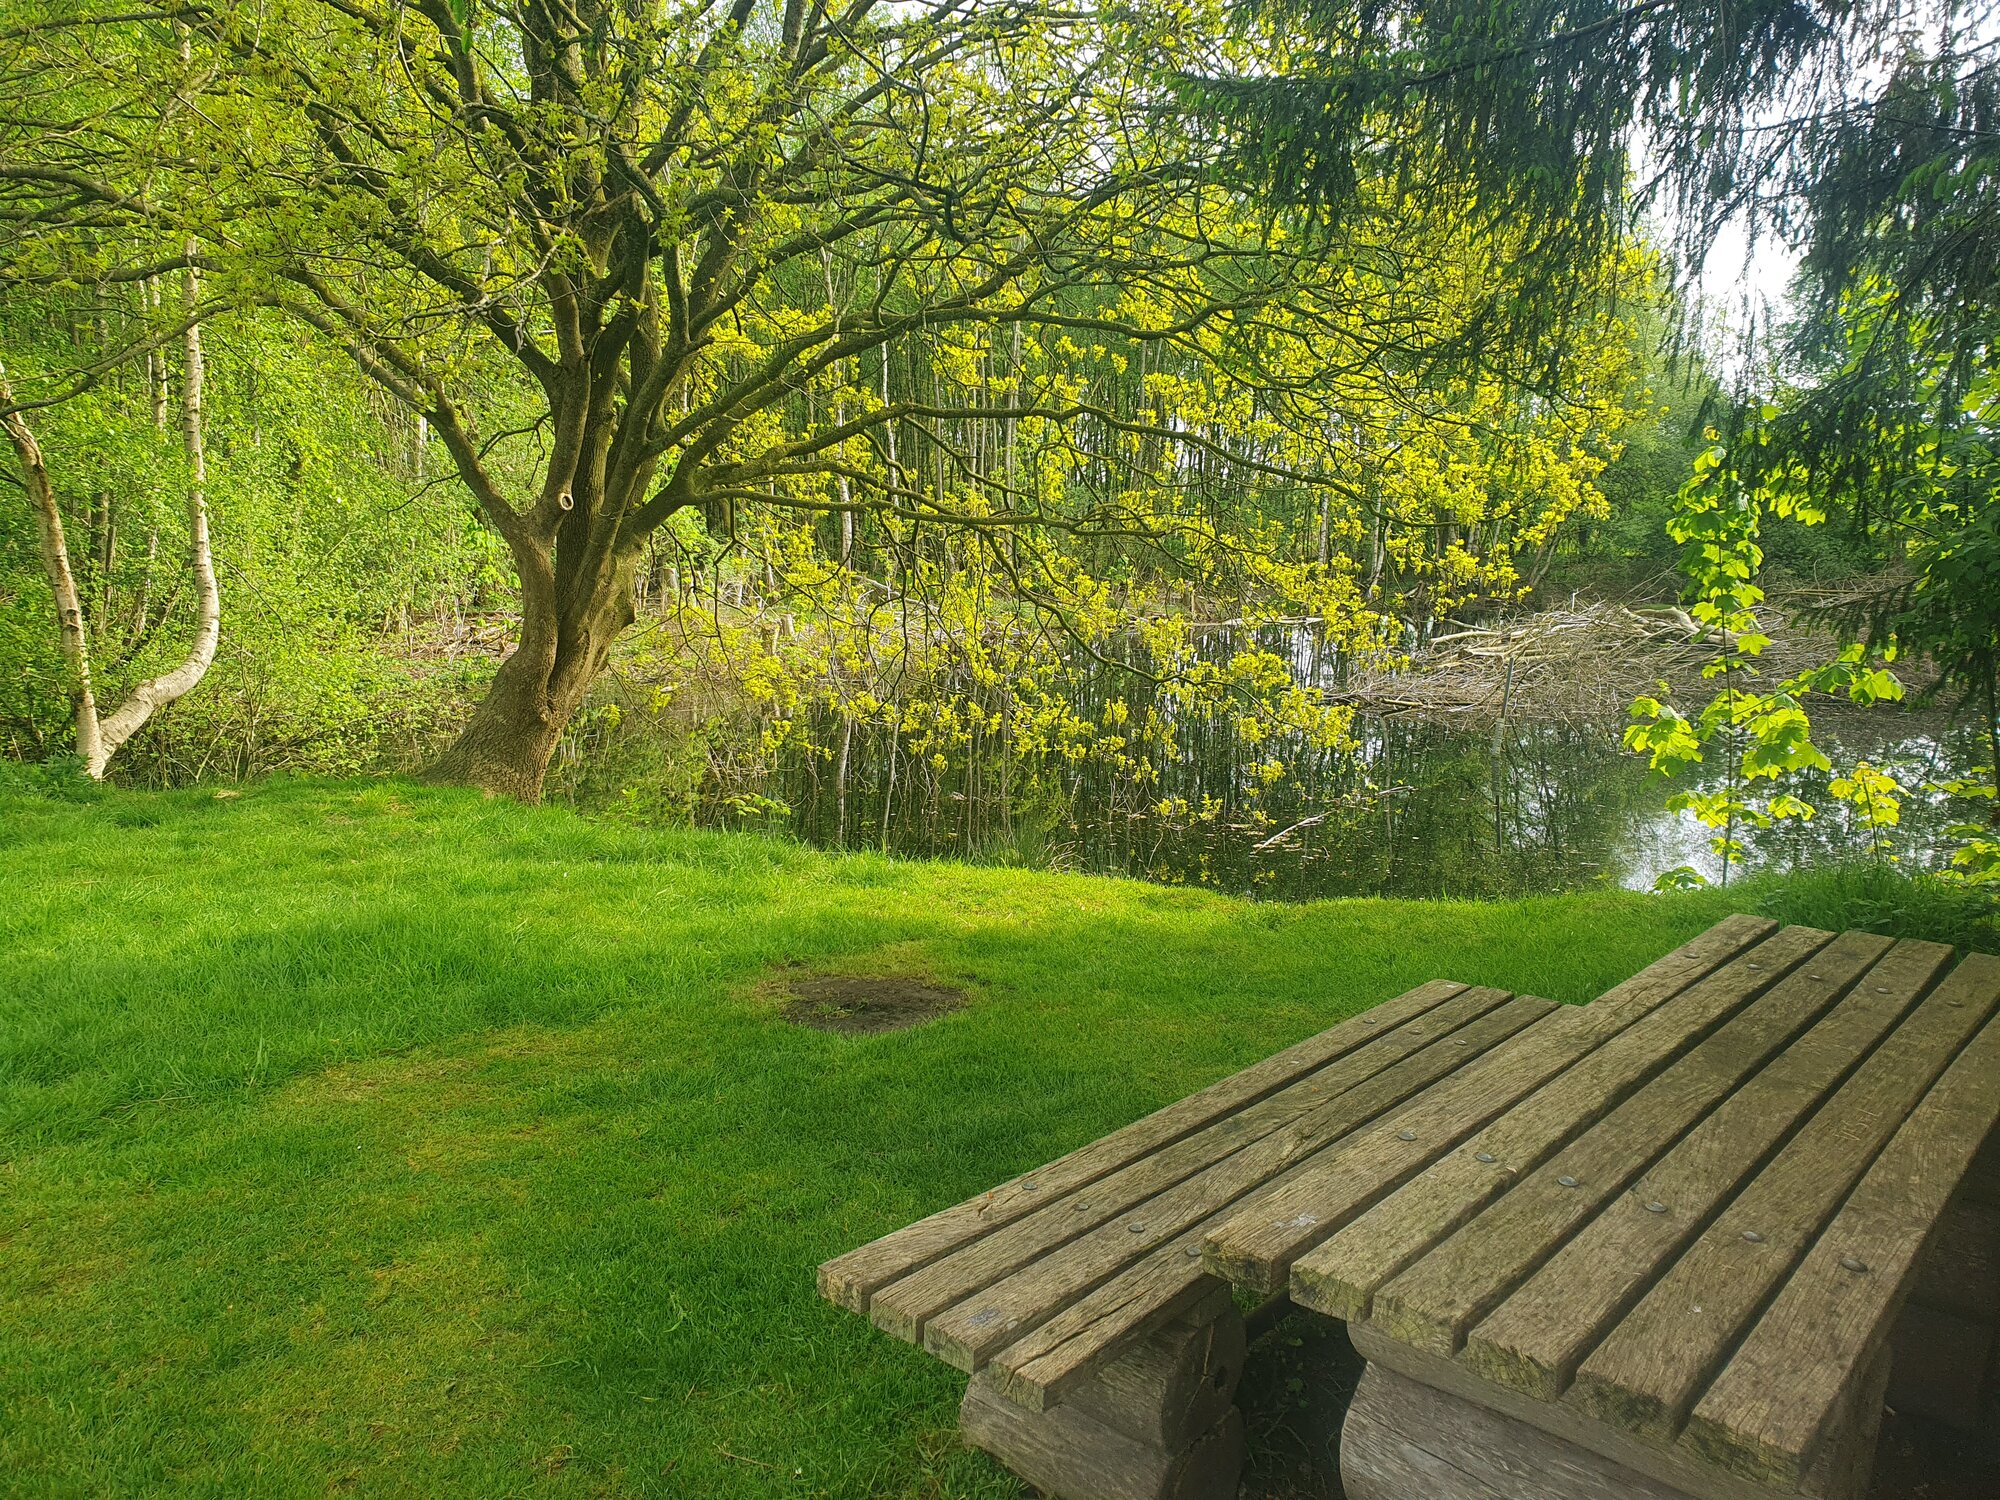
(366, 602)
(773, 409)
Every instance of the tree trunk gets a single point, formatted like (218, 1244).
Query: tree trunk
(568, 626)
(156, 360)
(506, 746)
(107, 557)
(148, 698)
(62, 582)
(142, 604)
(97, 740)
(156, 387)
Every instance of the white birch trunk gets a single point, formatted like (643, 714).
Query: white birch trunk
(97, 740)
(149, 697)
(75, 644)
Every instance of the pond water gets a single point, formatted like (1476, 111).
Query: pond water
(1419, 807)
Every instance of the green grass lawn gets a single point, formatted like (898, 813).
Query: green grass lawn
(376, 1139)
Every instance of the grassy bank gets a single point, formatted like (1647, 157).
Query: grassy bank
(376, 1139)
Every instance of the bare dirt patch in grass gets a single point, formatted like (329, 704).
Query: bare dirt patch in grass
(859, 1004)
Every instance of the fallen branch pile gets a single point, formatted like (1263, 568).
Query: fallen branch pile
(1582, 663)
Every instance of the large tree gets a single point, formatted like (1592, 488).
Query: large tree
(609, 233)
(630, 260)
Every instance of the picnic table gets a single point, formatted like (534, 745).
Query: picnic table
(1677, 1242)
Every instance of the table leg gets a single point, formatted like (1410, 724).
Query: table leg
(1407, 1441)
(1157, 1423)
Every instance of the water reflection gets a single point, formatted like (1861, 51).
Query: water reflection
(1919, 753)
(1419, 808)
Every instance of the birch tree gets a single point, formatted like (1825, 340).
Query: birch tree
(98, 738)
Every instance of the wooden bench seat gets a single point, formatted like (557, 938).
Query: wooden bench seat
(1687, 1252)
(1624, 1228)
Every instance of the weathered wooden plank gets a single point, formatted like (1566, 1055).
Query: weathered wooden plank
(1845, 1464)
(970, 1332)
(1341, 1276)
(1782, 1392)
(1171, 1385)
(850, 1279)
(1381, 1460)
(1403, 1440)
(1258, 1244)
(1535, 1339)
(1068, 1454)
(1695, 959)
(1669, 1466)
(1434, 1302)
(1062, 1356)
(1047, 1366)
(1647, 1373)
(904, 1306)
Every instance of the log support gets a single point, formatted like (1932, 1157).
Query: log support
(1408, 1438)
(1158, 1422)
(1403, 1439)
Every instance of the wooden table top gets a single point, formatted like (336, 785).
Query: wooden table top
(1684, 1215)
(1047, 1276)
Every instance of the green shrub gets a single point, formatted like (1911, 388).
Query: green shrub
(1880, 898)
